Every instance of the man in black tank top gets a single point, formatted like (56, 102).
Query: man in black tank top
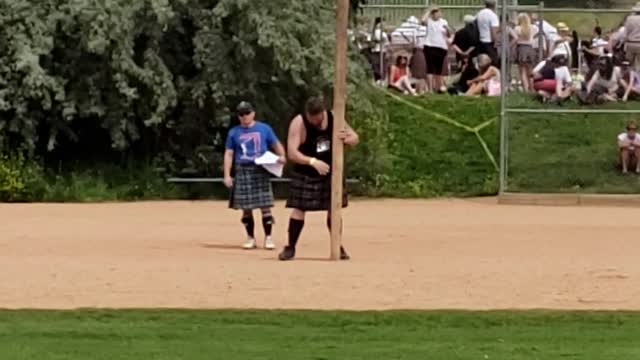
(309, 147)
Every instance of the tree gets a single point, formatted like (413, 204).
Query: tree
(156, 77)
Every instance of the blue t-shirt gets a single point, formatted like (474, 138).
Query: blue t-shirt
(250, 143)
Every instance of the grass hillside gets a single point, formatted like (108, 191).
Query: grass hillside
(438, 146)
(446, 146)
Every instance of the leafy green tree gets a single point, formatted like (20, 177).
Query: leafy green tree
(156, 78)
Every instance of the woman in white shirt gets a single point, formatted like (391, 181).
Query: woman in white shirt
(552, 79)
(562, 42)
(437, 48)
(522, 38)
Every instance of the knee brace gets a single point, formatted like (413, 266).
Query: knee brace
(268, 219)
(247, 220)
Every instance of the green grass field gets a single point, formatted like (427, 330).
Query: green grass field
(172, 334)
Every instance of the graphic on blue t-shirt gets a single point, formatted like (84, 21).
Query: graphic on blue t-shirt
(250, 143)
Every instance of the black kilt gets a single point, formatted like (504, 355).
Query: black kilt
(312, 193)
(251, 188)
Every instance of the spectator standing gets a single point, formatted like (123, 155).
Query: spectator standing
(598, 44)
(380, 41)
(562, 43)
(463, 43)
(418, 65)
(437, 48)
(632, 37)
(488, 26)
(629, 148)
(523, 37)
(548, 33)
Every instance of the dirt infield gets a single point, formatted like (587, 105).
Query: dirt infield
(455, 254)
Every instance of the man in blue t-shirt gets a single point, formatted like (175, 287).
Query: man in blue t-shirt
(251, 186)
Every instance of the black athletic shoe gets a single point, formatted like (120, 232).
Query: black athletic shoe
(343, 254)
(287, 254)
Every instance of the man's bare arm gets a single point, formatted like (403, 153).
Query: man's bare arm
(351, 137)
(294, 140)
(228, 161)
(279, 150)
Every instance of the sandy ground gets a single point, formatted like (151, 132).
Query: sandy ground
(462, 254)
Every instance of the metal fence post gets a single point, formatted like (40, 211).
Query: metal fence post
(504, 72)
(542, 39)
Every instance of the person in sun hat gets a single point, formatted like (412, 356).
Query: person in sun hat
(562, 42)
(629, 146)
(251, 186)
(632, 37)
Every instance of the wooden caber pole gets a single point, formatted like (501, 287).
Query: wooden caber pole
(339, 109)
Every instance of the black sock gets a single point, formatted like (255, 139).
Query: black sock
(295, 228)
(247, 221)
(267, 223)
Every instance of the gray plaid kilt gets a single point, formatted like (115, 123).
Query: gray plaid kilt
(251, 188)
(312, 193)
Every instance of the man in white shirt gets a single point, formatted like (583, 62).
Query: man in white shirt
(629, 145)
(488, 27)
(549, 35)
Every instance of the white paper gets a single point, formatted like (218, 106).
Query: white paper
(267, 158)
(269, 161)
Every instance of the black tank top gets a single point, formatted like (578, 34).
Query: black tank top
(548, 72)
(316, 145)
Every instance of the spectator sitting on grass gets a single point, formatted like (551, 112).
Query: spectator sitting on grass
(400, 76)
(552, 79)
(605, 83)
(468, 72)
(630, 81)
(488, 82)
(629, 147)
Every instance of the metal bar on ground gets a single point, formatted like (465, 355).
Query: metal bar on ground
(570, 10)
(513, 8)
(339, 109)
(504, 73)
(570, 111)
(442, 7)
(220, 180)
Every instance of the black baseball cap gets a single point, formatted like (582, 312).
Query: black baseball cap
(245, 107)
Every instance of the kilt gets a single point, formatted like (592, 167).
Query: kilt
(312, 193)
(251, 188)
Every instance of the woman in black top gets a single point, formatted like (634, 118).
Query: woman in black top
(309, 145)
